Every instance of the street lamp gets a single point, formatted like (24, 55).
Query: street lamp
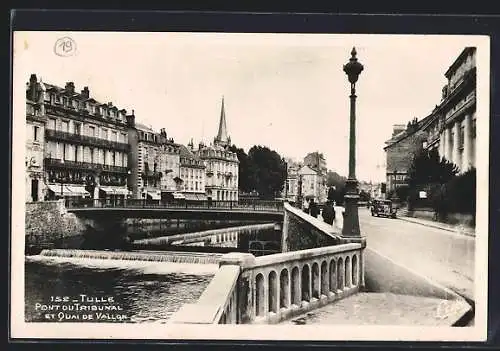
(351, 220)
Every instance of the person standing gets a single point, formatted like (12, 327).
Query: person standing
(328, 212)
(313, 209)
(305, 206)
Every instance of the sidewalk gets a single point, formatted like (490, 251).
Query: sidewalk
(458, 229)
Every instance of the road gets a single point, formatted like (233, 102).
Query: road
(442, 256)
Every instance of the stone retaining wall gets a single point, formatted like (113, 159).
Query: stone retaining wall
(49, 221)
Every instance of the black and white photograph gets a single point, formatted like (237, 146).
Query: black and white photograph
(183, 185)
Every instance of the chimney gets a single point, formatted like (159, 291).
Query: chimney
(32, 87)
(131, 120)
(398, 128)
(86, 92)
(70, 87)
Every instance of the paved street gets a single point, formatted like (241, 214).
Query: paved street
(444, 257)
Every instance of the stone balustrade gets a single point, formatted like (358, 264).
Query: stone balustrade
(269, 289)
(283, 285)
(317, 266)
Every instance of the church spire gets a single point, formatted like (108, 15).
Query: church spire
(222, 137)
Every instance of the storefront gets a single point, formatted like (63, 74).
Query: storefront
(113, 195)
(151, 195)
(67, 192)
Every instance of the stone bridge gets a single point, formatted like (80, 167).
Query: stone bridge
(202, 210)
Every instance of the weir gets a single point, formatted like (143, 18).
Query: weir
(152, 256)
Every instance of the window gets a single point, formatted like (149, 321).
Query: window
(473, 131)
(77, 128)
(35, 133)
(91, 131)
(113, 136)
(114, 158)
(461, 138)
(105, 134)
(65, 126)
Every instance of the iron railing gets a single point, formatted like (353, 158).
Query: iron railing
(55, 162)
(85, 140)
(253, 205)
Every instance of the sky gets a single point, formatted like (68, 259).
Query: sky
(285, 91)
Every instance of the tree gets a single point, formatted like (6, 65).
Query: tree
(267, 171)
(427, 168)
(246, 181)
(337, 182)
(429, 172)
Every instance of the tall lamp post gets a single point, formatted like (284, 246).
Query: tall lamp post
(351, 220)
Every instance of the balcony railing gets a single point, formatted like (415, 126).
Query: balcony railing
(54, 162)
(85, 140)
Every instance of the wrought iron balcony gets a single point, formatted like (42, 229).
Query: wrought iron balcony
(151, 175)
(57, 163)
(85, 140)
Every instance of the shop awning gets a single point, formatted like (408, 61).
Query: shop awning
(201, 197)
(57, 189)
(154, 195)
(190, 196)
(77, 190)
(179, 196)
(114, 190)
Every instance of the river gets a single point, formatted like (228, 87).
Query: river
(86, 289)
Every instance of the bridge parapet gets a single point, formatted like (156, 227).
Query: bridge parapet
(269, 289)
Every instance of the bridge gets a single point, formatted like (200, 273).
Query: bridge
(261, 210)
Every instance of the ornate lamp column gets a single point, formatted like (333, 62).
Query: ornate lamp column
(351, 220)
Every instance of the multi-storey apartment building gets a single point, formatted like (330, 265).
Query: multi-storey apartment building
(399, 149)
(221, 165)
(290, 189)
(313, 184)
(86, 143)
(156, 162)
(192, 174)
(35, 126)
(452, 129)
(316, 160)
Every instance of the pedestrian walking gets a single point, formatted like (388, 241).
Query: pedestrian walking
(305, 206)
(313, 208)
(328, 212)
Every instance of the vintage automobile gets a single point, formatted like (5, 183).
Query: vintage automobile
(383, 208)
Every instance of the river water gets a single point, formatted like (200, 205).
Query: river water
(83, 289)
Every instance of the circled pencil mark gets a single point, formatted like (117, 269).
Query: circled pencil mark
(65, 47)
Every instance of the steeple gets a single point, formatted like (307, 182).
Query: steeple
(222, 137)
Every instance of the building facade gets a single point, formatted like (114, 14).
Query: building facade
(405, 142)
(35, 140)
(221, 165)
(192, 175)
(156, 164)
(452, 130)
(313, 184)
(316, 160)
(291, 188)
(85, 143)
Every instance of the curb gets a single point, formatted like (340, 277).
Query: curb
(465, 233)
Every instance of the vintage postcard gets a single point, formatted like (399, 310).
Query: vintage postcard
(249, 186)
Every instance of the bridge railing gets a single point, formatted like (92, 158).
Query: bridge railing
(254, 205)
(269, 289)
